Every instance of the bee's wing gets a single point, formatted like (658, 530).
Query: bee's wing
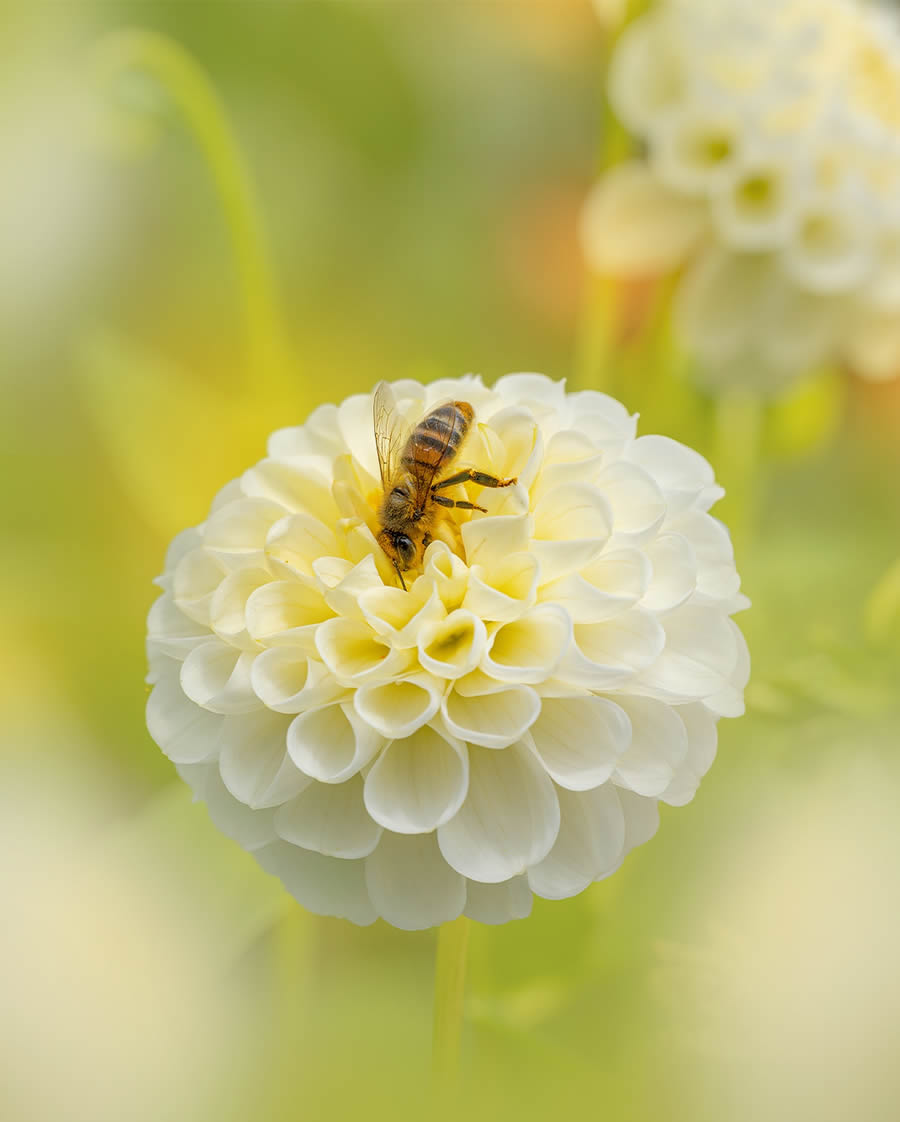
(390, 431)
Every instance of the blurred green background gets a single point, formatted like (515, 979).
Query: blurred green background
(419, 167)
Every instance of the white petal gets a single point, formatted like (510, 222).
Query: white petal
(344, 597)
(557, 558)
(590, 844)
(186, 733)
(326, 886)
(576, 459)
(608, 653)
(397, 709)
(505, 591)
(493, 720)
(251, 829)
(236, 533)
(674, 572)
(354, 417)
(399, 616)
(183, 543)
(452, 646)
(329, 818)
(509, 444)
(286, 611)
(296, 486)
(754, 207)
(579, 739)
(681, 473)
(447, 573)
(411, 884)
(536, 392)
(717, 578)
(489, 541)
(636, 502)
(509, 820)
(830, 251)
(227, 608)
(697, 150)
(332, 743)
(604, 588)
(254, 762)
(603, 419)
(641, 818)
(217, 676)
(529, 649)
(573, 512)
(658, 746)
(318, 437)
(729, 701)
(294, 542)
(196, 577)
(355, 654)
(171, 632)
(700, 725)
(498, 903)
(647, 72)
(287, 681)
(701, 652)
(633, 225)
(417, 783)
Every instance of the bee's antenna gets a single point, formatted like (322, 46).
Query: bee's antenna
(400, 575)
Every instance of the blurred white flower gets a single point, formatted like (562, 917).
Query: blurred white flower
(772, 172)
(508, 724)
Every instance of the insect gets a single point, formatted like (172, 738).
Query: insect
(412, 464)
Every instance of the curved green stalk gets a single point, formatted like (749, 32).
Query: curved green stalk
(185, 81)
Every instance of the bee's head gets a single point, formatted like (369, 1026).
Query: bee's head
(401, 549)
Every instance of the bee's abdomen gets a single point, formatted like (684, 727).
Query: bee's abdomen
(436, 438)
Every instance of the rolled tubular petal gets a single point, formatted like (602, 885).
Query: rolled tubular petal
(495, 719)
(530, 648)
(331, 744)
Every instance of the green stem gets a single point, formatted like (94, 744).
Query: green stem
(185, 81)
(449, 988)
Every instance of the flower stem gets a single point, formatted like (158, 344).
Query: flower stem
(188, 85)
(449, 987)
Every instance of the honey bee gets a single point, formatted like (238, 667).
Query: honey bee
(412, 464)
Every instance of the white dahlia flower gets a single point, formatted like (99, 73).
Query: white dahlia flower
(507, 724)
(772, 171)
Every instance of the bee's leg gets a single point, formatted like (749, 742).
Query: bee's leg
(442, 500)
(470, 475)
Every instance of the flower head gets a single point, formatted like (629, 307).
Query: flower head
(502, 727)
(772, 132)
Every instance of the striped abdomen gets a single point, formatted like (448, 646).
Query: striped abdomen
(436, 438)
